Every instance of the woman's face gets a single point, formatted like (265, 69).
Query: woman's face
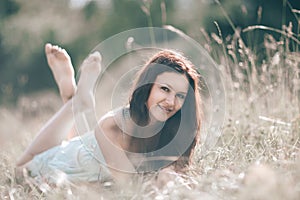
(167, 95)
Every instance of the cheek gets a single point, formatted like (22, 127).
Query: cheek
(148, 103)
(179, 104)
(154, 97)
(151, 100)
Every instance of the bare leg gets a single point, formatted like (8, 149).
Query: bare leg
(61, 66)
(90, 70)
(60, 63)
(56, 129)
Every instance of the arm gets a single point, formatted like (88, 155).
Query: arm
(108, 138)
(51, 134)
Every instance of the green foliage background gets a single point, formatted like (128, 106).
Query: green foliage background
(25, 26)
(256, 46)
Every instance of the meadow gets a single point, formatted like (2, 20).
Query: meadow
(255, 157)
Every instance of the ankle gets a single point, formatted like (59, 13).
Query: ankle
(84, 101)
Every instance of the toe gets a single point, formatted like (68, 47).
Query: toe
(48, 48)
(96, 56)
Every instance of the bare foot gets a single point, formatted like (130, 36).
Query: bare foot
(89, 72)
(62, 69)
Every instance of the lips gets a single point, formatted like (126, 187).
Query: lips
(165, 109)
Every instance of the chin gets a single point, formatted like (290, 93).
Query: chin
(160, 117)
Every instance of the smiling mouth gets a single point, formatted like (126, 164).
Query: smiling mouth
(166, 110)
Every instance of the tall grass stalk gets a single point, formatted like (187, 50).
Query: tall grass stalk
(256, 157)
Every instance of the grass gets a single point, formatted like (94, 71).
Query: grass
(256, 157)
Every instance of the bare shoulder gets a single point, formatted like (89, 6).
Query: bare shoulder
(108, 126)
(109, 123)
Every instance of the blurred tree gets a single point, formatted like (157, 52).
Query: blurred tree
(24, 31)
(8, 8)
(129, 14)
(232, 14)
(25, 26)
(90, 9)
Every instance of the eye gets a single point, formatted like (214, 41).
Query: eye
(181, 96)
(164, 88)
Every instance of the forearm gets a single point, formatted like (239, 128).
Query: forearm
(51, 134)
(115, 157)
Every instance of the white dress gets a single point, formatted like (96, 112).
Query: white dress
(79, 159)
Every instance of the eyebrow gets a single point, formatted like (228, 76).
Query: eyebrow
(172, 88)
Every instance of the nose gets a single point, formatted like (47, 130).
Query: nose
(170, 100)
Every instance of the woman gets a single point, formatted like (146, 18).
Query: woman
(164, 107)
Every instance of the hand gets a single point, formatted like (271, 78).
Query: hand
(165, 176)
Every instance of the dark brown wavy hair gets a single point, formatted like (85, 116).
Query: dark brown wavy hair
(187, 121)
